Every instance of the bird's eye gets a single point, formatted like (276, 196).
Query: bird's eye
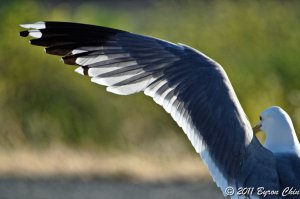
(260, 118)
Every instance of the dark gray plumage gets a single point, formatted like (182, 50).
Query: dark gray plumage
(190, 86)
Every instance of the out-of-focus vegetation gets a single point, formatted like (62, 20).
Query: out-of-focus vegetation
(42, 102)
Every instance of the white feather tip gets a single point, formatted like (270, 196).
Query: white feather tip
(37, 25)
(79, 70)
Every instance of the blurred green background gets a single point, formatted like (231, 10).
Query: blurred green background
(43, 102)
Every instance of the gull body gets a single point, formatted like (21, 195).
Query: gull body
(282, 141)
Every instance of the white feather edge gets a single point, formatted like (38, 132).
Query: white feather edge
(91, 59)
(130, 88)
(79, 70)
(35, 33)
(77, 51)
(110, 81)
(37, 25)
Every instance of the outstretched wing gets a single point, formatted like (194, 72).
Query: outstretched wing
(190, 86)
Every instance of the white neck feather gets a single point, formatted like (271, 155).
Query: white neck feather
(281, 137)
(282, 142)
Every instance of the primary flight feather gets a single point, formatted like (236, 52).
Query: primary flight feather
(197, 93)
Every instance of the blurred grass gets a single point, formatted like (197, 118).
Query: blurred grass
(137, 165)
(43, 102)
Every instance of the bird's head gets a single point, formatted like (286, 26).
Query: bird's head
(274, 120)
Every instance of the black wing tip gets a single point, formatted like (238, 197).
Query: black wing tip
(69, 59)
(66, 25)
(24, 33)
